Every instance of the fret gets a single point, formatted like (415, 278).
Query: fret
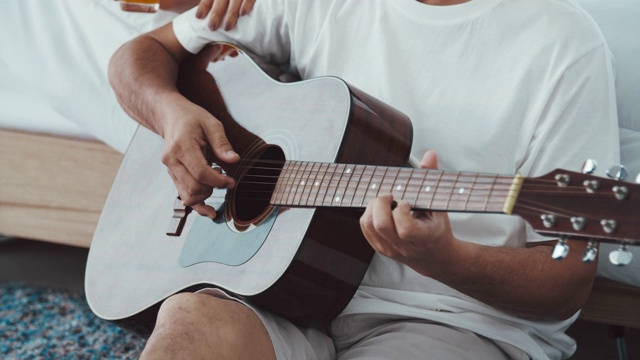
(319, 186)
(365, 184)
(461, 192)
(351, 185)
(428, 189)
(332, 189)
(480, 194)
(493, 184)
(325, 186)
(309, 187)
(301, 182)
(443, 190)
(292, 182)
(416, 179)
(343, 185)
(281, 184)
(387, 181)
(373, 188)
(400, 183)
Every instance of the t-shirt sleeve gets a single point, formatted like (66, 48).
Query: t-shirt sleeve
(264, 32)
(578, 122)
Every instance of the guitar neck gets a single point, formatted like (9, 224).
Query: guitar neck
(313, 184)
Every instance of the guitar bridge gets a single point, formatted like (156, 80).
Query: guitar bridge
(177, 221)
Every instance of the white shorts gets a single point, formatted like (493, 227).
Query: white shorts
(376, 336)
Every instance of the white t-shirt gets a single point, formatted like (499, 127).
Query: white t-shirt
(497, 86)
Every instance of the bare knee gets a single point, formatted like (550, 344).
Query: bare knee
(202, 325)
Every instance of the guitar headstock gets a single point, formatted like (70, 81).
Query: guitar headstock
(576, 205)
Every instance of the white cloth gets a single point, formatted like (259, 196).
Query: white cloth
(498, 86)
(53, 66)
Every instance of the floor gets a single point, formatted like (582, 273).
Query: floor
(63, 266)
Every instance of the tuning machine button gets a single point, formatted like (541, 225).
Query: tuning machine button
(563, 180)
(591, 186)
(590, 253)
(608, 225)
(618, 172)
(548, 220)
(589, 166)
(578, 222)
(560, 250)
(621, 192)
(621, 256)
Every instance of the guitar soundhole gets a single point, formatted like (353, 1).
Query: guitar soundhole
(250, 201)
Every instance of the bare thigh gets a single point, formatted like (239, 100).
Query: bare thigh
(200, 326)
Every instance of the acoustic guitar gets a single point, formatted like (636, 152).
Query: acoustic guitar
(287, 237)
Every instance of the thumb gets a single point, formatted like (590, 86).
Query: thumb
(219, 143)
(429, 160)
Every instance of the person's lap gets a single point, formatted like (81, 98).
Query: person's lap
(375, 336)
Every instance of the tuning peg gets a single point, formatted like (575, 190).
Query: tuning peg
(561, 250)
(589, 166)
(638, 179)
(618, 172)
(621, 257)
(590, 253)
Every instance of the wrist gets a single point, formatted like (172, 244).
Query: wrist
(164, 109)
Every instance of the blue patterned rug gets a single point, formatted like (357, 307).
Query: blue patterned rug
(44, 323)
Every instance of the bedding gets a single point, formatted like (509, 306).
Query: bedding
(53, 66)
(61, 128)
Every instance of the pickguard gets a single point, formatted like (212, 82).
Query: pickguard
(214, 241)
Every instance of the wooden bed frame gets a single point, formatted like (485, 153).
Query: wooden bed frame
(53, 189)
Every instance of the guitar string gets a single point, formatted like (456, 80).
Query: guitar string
(467, 185)
(490, 177)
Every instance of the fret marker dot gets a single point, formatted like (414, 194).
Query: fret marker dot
(427, 189)
(302, 182)
(317, 183)
(399, 187)
(373, 186)
(349, 171)
(461, 191)
(337, 199)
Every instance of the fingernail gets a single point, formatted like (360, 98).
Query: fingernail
(199, 14)
(227, 26)
(231, 153)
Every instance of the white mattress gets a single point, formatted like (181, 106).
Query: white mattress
(53, 66)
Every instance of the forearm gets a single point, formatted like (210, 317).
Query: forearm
(143, 75)
(523, 281)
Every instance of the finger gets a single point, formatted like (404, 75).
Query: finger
(429, 160)
(373, 238)
(405, 223)
(247, 6)
(203, 8)
(231, 17)
(204, 210)
(214, 131)
(190, 191)
(217, 12)
(382, 219)
(200, 172)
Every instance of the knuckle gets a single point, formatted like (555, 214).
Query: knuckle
(200, 174)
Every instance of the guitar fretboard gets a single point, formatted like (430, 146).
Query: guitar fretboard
(313, 184)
